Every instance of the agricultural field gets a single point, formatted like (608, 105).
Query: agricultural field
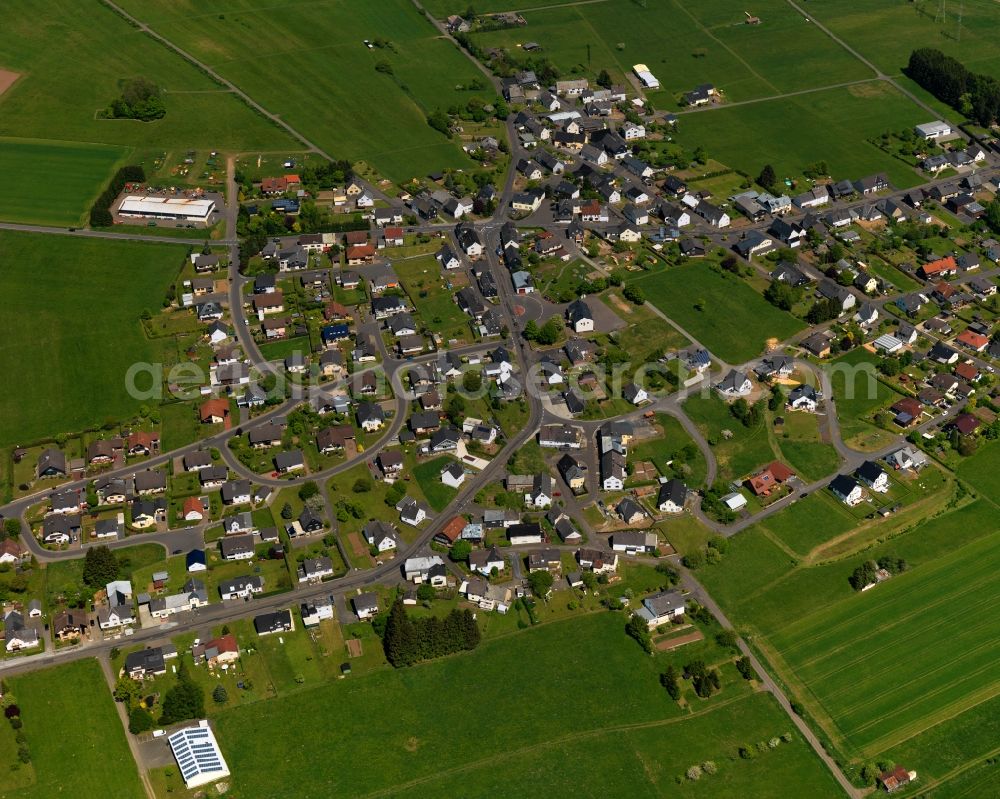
(323, 54)
(89, 735)
(620, 703)
(74, 175)
(59, 98)
(876, 664)
(685, 45)
(793, 132)
(865, 28)
(721, 311)
(870, 668)
(60, 330)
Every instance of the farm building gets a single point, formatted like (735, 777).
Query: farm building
(649, 80)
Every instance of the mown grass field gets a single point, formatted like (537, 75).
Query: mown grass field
(74, 330)
(52, 183)
(624, 720)
(76, 740)
(982, 470)
(793, 132)
(736, 320)
(428, 475)
(799, 442)
(59, 97)
(322, 79)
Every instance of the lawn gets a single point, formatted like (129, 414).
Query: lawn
(810, 522)
(428, 475)
(747, 449)
(614, 695)
(322, 53)
(69, 717)
(58, 97)
(666, 446)
(889, 663)
(736, 321)
(431, 294)
(859, 395)
(74, 175)
(800, 444)
(793, 132)
(69, 338)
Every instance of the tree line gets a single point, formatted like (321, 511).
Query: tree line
(100, 211)
(409, 640)
(972, 94)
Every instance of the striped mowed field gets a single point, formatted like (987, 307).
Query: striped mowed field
(890, 662)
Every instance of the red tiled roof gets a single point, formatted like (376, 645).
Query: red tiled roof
(453, 529)
(940, 266)
(214, 407)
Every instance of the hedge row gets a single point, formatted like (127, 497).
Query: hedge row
(100, 211)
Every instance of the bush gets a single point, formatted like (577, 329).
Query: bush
(140, 720)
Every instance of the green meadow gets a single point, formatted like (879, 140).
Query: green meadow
(53, 183)
(75, 329)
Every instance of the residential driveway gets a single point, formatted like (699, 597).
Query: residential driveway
(605, 320)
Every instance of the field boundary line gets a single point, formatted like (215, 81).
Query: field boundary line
(800, 691)
(576, 736)
(955, 709)
(203, 67)
(698, 24)
(937, 568)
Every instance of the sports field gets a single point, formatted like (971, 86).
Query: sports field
(76, 740)
(74, 330)
(431, 744)
(58, 96)
(52, 183)
(736, 320)
(308, 62)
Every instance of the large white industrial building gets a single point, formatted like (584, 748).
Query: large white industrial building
(180, 208)
(198, 755)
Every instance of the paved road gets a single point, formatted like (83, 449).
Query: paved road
(99, 234)
(698, 592)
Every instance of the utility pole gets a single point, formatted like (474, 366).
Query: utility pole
(961, 9)
(942, 12)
